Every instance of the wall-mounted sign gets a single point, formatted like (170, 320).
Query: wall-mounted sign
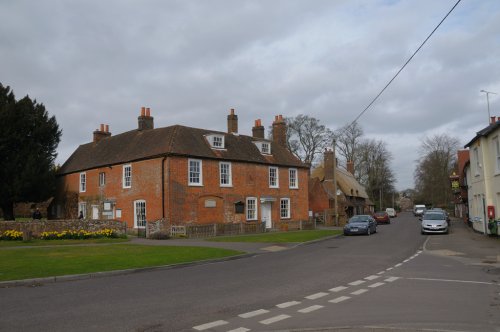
(210, 203)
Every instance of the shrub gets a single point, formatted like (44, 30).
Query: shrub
(159, 236)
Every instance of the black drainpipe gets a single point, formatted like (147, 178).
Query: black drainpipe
(163, 187)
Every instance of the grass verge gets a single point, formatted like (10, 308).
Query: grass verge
(279, 237)
(27, 263)
(62, 242)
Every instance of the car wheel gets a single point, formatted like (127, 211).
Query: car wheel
(422, 232)
(368, 232)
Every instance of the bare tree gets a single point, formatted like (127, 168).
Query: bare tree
(306, 137)
(437, 161)
(374, 171)
(348, 139)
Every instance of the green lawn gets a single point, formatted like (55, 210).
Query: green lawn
(62, 242)
(26, 263)
(279, 237)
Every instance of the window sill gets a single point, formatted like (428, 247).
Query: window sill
(195, 185)
(226, 185)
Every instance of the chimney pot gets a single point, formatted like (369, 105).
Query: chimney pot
(102, 127)
(148, 111)
(107, 128)
(143, 111)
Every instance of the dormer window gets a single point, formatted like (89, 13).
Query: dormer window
(216, 141)
(264, 147)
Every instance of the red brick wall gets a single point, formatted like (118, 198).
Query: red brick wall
(186, 204)
(318, 199)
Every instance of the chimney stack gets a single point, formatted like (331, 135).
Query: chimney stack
(350, 166)
(101, 133)
(279, 131)
(232, 122)
(258, 129)
(145, 120)
(328, 164)
(493, 119)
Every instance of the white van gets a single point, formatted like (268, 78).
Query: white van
(419, 209)
(391, 212)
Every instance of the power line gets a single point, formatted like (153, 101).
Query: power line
(408, 61)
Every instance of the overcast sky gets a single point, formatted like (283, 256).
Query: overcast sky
(92, 62)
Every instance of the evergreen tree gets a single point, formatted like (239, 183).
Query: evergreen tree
(28, 143)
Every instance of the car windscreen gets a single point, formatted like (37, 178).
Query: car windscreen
(433, 216)
(358, 219)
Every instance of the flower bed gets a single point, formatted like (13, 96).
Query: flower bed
(80, 235)
(11, 235)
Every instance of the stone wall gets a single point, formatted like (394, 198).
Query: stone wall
(38, 227)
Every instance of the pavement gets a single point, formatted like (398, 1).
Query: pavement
(462, 244)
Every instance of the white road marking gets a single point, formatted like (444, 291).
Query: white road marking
(398, 265)
(381, 272)
(310, 309)
(339, 299)
(316, 296)
(287, 304)
(337, 289)
(389, 268)
(406, 260)
(391, 279)
(274, 319)
(210, 325)
(254, 313)
(372, 277)
(360, 291)
(451, 280)
(377, 284)
(356, 283)
(240, 329)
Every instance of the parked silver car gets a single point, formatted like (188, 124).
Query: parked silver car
(360, 224)
(434, 222)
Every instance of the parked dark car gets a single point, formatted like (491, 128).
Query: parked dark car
(360, 224)
(382, 217)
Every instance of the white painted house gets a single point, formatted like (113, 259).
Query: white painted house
(483, 178)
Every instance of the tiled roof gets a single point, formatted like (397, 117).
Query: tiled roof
(177, 140)
(484, 132)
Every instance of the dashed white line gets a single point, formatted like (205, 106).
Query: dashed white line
(339, 299)
(239, 329)
(398, 265)
(254, 313)
(381, 272)
(357, 282)
(373, 277)
(287, 304)
(389, 268)
(391, 279)
(310, 309)
(337, 289)
(360, 291)
(210, 325)
(274, 319)
(406, 260)
(377, 284)
(316, 296)
(452, 280)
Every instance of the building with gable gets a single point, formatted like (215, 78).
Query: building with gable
(483, 176)
(184, 175)
(352, 198)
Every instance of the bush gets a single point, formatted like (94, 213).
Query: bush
(159, 236)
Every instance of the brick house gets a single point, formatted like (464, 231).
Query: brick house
(184, 176)
(352, 198)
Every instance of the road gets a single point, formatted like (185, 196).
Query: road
(396, 279)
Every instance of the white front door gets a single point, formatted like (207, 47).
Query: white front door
(265, 212)
(95, 212)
